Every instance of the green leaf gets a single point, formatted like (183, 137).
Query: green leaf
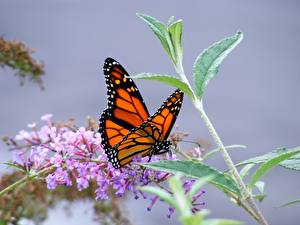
(167, 79)
(216, 150)
(19, 167)
(246, 169)
(160, 31)
(263, 158)
(197, 170)
(170, 21)
(175, 31)
(260, 197)
(260, 186)
(162, 194)
(207, 63)
(183, 205)
(291, 163)
(221, 222)
(195, 219)
(198, 184)
(291, 203)
(266, 166)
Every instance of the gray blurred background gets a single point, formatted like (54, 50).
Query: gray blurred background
(254, 100)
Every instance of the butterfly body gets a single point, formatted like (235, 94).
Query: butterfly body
(127, 130)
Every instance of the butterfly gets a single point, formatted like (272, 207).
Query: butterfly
(126, 127)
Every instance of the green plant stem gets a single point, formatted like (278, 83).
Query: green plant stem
(199, 106)
(244, 206)
(180, 71)
(246, 193)
(25, 179)
(233, 196)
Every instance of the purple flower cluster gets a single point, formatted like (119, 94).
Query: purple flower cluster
(77, 156)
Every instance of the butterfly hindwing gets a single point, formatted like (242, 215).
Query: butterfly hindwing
(126, 108)
(138, 142)
(111, 132)
(151, 136)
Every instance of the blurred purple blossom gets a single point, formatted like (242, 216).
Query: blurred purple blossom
(197, 152)
(77, 153)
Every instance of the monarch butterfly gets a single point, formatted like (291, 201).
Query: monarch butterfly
(126, 128)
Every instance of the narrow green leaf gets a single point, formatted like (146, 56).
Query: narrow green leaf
(183, 205)
(195, 219)
(197, 170)
(167, 79)
(162, 194)
(207, 63)
(260, 197)
(175, 31)
(216, 150)
(170, 21)
(246, 169)
(291, 163)
(265, 167)
(198, 184)
(263, 158)
(171, 47)
(159, 30)
(260, 186)
(19, 167)
(221, 222)
(291, 203)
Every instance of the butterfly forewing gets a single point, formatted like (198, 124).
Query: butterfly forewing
(126, 108)
(166, 115)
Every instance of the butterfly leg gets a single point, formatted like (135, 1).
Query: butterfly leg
(162, 152)
(149, 159)
(169, 151)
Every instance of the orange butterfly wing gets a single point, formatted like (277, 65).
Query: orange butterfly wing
(126, 108)
(166, 115)
(151, 136)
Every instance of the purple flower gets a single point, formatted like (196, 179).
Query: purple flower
(197, 152)
(51, 181)
(56, 160)
(171, 211)
(38, 156)
(78, 154)
(46, 117)
(82, 183)
(59, 177)
(31, 125)
(23, 135)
